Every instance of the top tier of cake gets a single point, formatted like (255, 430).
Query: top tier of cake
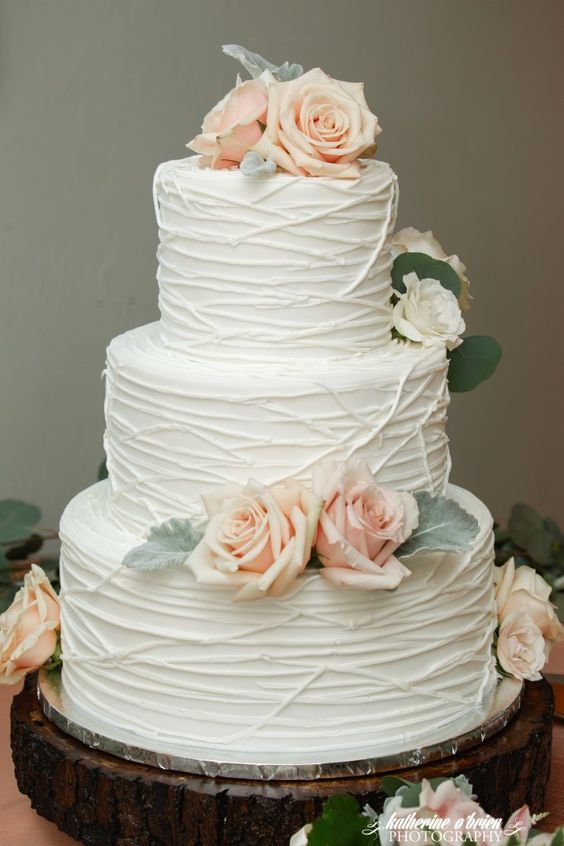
(274, 267)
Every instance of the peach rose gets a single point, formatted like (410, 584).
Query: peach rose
(28, 629)
(361, 526)
(317, 126)
(522, 589)
(451, 803)
(257, 539)
(233, 126)
(521, 647)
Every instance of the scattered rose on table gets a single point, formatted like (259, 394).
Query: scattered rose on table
(28, 628)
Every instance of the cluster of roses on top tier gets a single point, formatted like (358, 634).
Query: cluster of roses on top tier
(311, 125)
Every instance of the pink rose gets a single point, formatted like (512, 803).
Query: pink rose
(317, 126)
(451, 803)
(522, 589)
(28, 629)
(519, 823)
(521, 647)
(233, 126)
(257, 539)
(361, 526)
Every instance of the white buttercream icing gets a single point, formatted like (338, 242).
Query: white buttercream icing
(324, 674)
(177, 427)
(275, 266)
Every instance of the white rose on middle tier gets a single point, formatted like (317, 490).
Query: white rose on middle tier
(428, 314)
(258, 539)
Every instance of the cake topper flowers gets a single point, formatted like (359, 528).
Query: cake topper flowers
(305, 124)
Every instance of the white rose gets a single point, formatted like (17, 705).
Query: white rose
(300, 837)
(410, 240)
(521, 647)
(428, 313)
(257, 539)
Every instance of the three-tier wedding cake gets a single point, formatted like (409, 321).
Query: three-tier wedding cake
(277, 570)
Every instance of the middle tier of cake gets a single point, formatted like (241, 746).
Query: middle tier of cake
(177, 427)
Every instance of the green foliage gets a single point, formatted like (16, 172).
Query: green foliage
(443, 524)
(534, 540)
(167, 545)
(558, 839)
(342, 824)
(103, 471)
(474, 361)
(425, 267)
(17, 520)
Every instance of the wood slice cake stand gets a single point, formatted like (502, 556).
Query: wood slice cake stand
(102, 800)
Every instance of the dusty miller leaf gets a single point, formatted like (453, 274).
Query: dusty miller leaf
(255, 64)
(167, 545)
(253, 164)
(443, 524)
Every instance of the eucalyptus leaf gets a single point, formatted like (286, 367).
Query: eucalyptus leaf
(524, 522)
(425, 267)
(405, 263)
(474, 361)
(17, 520)
(253, 164)
(391, 784)
(167, 545)
(443, 524)
(341, 824)
(552, 526)
(255, 64)
(540, 547)
(558, 838)
(103, 471)
(7, 595)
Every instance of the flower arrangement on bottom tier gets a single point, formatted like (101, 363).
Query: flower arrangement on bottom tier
(438, 811)
(259, 541)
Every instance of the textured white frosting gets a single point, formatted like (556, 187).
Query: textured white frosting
(275, 266)
(324, 674)
(177, 427)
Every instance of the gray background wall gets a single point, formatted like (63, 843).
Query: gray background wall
(94, 93)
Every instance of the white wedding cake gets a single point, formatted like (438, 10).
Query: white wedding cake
(284, 363)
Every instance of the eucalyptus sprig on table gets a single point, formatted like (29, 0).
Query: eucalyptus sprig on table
(20, 542)
(534, 540)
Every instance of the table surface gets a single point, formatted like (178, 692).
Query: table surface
(21, 826)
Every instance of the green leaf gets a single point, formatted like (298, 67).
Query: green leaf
(255, 64)
(443, 524)
(7, 594)
(474, 361)
(341, 824)
(541, 548)
(558, 839)
(167, 545)
(17, 520)
(425, 267)
(406, 263)
(552, 526)
(524, 522)
(103, 471)
(391, 784)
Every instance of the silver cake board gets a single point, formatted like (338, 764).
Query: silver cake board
(97, 734)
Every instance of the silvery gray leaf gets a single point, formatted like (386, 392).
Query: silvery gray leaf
(253, 164)
(167, 545)
(462, 782)
(255, 64)
(443, 525)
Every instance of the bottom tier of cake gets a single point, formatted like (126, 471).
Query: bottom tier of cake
(325, 674)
